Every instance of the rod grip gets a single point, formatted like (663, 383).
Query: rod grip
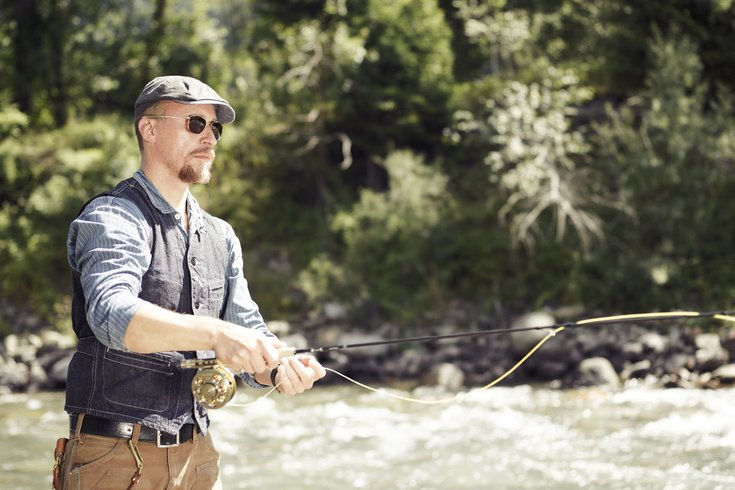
(286, 352)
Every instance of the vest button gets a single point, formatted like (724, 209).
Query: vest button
(197, 305)
(194, 261)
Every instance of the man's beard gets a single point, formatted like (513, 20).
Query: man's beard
(191, 173)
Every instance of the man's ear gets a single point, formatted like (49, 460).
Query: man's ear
(147, 129)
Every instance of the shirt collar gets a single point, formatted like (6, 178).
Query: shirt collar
(196, 220)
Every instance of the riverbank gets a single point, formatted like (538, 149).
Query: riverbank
(669, 353)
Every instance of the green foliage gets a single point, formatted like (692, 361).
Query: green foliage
(44, 180)
(535, 161)
(399, 97)
(598, 135)
(389, 239)
(669, 150)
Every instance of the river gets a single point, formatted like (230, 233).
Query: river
(344, 437)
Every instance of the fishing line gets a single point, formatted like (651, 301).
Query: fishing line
(553, 330)
(459, 396)
(455, 398)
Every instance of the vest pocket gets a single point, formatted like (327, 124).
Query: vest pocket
(217, 289)
(141, 381)
(209, 300)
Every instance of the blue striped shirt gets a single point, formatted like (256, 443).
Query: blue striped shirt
(108, 244)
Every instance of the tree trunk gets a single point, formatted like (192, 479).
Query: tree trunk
(26, 52)
(154, 37)
(57, 90)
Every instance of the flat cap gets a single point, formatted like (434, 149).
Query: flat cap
(185, 90)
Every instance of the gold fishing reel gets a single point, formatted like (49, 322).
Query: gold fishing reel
(214, 385)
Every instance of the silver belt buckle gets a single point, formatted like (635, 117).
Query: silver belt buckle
(158, 440)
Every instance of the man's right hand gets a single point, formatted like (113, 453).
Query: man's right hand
(154, 329)
(246, 350)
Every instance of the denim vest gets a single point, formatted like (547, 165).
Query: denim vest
(184, 277)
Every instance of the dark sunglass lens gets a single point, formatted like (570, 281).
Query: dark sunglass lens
(197, 124)
(217, 130)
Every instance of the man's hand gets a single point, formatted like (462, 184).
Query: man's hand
(297, 374)
(155, 329)
(246, 350)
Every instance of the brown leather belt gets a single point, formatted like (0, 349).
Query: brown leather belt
(100, 426)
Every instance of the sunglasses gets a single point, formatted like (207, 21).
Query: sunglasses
(194, 124)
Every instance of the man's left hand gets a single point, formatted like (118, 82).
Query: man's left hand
(297, 374)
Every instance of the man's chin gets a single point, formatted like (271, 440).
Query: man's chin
(204, 176)
(191, 176)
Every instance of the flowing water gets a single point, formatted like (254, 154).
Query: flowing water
(504, 438)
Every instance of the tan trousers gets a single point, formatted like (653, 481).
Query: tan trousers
(96, 462)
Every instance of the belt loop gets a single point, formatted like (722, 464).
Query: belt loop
(78, 428)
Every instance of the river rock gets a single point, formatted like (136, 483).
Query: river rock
(411, 363)
(53, 341)
(653, 342)
(632, 350)
(595, 371)
(592, 339)
(14, 375)
(725, 374)
(11, 345)
(47, 360)
(710, 354)
(22, 348)
(327, 335)
(58, 370)
(636, 370)
(673, 363)
(446, 375)
(335, 311)
(728, 342)
(37, 377)
(523, 341)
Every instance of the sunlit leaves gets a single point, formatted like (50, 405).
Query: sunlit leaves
(389, 236)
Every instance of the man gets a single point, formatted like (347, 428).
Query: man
(156, 281)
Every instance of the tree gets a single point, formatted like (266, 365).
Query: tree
(668, 153)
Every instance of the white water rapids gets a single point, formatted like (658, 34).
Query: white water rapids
(504, 438)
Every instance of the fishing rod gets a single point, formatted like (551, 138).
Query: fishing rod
(606, 320)
(214, 385)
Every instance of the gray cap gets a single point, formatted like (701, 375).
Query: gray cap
(185, 90)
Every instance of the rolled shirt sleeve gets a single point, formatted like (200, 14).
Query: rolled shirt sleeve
(108, 246)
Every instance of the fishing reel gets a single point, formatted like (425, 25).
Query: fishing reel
(214, 385)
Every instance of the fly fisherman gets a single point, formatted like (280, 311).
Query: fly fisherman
(158, 280)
